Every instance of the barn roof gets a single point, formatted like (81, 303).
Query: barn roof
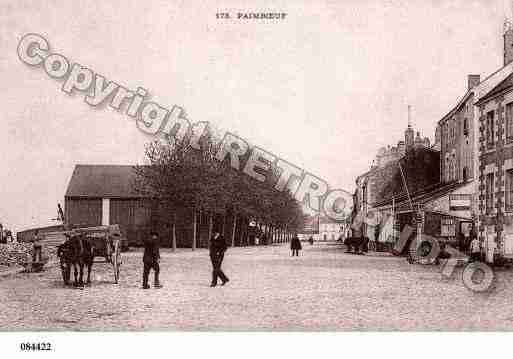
(105, 181)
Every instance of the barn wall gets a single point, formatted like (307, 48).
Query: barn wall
(133, 217)
(83, 212)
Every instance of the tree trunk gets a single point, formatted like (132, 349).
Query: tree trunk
(194, 229)
(246, 235)
(234, 228)
(210, 225)
(173, 234)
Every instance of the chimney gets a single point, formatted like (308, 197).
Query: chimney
(473, 81)
(508, 43)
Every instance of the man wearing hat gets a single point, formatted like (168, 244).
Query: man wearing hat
(151, 259)
(217, 249)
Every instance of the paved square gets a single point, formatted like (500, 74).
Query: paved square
(323, 289)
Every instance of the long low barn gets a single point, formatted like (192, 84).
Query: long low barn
(106, 194)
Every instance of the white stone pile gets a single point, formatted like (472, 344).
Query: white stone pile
(12, 254)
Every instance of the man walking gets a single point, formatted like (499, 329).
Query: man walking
(151, 259)
(217, 249)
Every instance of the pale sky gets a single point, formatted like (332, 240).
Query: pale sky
(323, 89)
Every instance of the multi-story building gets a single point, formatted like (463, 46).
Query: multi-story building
(456, 132)
(496, 170)
(494, 162)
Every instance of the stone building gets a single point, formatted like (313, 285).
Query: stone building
(456, 132)
(390, 154)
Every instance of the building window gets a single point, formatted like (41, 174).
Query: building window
(490, 135)
(465, 127)
(447, 170)
(489, 192)
(447, 133)
(364, 197)
(509, 190)
(448, 227)
(453, 168)
(509, 120)
(465, 174)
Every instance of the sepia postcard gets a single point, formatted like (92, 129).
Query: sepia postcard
(176, 167)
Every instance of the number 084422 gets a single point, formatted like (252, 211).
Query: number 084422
(35, 346)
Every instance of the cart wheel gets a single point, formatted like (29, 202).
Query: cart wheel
(116, 260)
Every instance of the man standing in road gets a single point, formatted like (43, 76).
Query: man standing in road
(217, 249)
(295, 245)
(151, 259)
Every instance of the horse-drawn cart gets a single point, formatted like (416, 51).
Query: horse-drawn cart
(85, 244)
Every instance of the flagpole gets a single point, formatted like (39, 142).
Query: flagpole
(405, 185)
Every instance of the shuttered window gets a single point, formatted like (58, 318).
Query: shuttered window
(490, 130)
(509, 121)
(489, 192)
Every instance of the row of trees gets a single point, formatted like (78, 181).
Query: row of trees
(182, 176)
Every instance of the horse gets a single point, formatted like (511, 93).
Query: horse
(358, 245)
(78, 252)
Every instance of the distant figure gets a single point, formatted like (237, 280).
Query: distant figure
(60, 213)
(310, 240)
(475, 250)
(295, 245)
(37, 248)
(217, 249)
(151, 259)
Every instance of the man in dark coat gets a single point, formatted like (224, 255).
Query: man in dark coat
(217, 249)
(295, 245)
(151, 259)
